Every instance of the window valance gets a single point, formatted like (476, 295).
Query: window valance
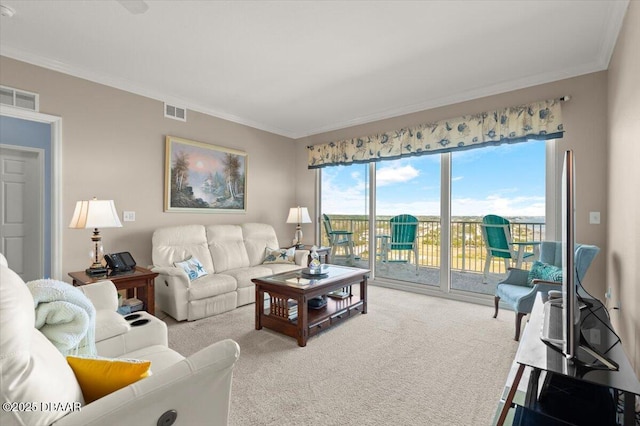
(537, 121)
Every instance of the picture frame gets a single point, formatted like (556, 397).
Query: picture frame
(204, 178)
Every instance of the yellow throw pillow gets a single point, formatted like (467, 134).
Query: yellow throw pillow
(100, 376)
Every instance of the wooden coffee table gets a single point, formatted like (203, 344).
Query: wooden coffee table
(291, 291)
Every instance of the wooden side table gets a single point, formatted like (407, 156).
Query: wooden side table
(138, 283)
(323, 252)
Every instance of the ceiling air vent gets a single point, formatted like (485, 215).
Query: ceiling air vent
(177, 113)
(19, 98)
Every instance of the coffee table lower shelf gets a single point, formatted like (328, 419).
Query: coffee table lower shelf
(275, 312)
(319, 320)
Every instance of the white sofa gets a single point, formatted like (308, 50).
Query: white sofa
(232, 255)
(33, 371)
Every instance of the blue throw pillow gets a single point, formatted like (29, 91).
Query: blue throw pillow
(544, 271)
(192, 267)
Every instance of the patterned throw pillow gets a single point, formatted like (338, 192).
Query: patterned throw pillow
(280, 255)
(192, 267)
(544, 271)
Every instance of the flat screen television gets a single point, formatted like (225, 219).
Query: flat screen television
(570, 314)
(572, 345)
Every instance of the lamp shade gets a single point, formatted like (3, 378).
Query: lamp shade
(95, 214)
(298, 215)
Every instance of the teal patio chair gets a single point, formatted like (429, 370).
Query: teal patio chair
(339, 238)
(404, 234)
(520, 295)
(496, 233)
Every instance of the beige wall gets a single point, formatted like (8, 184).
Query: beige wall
(585, 132)
(113, 148)
(623, 225)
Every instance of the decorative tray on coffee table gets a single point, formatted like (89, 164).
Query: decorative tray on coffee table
(308, 273)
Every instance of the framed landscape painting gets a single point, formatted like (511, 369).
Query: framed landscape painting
(204, 178)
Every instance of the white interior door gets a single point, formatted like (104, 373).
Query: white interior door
(21, 210)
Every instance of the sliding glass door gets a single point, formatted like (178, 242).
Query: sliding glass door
(407, 220)
(424, 225)
(506, 181)
(345, 213)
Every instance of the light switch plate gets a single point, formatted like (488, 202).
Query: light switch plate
(594, 218)
(129, 216)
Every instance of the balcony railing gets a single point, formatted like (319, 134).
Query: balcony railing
(468, 253)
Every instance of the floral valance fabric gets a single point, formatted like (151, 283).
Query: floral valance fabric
(536, 121)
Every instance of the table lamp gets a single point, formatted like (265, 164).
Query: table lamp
(298, 215)
(95, 214)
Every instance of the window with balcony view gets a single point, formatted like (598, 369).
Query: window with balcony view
(406, 188)
(506, 180)
(345, 202)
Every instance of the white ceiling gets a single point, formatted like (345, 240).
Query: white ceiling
(299, 68)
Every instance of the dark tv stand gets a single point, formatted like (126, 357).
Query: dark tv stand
(588, 356)
(548, 368)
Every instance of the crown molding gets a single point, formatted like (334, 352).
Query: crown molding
(611, 31)
(605, 51)
(129, 86)
(472, 94)
(469, 95)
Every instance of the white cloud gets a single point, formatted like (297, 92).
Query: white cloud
(352, 198)
(396, 174)
(495, 204)
(338, 198)
(456, 178)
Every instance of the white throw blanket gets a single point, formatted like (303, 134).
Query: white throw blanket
(65, 316)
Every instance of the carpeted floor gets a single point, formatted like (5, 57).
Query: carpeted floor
(411, 360)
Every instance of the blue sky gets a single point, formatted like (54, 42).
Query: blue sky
(507, 180)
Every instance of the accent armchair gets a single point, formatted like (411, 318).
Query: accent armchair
(516, 291)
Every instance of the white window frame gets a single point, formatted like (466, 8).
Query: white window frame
(552, 219)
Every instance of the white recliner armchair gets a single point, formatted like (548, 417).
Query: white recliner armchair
(38, 386)
(117, 335)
